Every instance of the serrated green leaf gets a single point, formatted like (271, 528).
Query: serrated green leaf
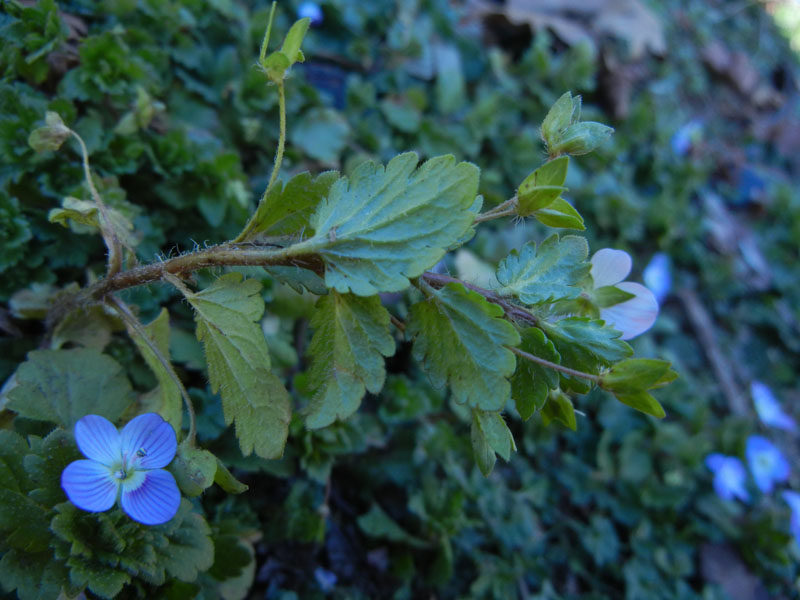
(642, 401)
(227, 315)
(485, 457)
(194, 469)
(298, 278)
(460, 338)
(580, 138)
(33, 576)
(24, 525)
(541, 188)
(490, 426)
(559, 408)
(548, 274)
(561, 214)
(382, 226)
(585, 345)
(287, 208)
(224, 479)
(61, 386)
(13, 449)
(377, 524)
(45, 465)
(293, 40)
(351, 338)
(166, 399)
(532, 382)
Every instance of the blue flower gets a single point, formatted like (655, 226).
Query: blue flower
(793, 500)
(657, 276)
(769, 409)
(767, 463)
(729, 476)
(310, 10)
(126, 466)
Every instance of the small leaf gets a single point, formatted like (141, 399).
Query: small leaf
(321, 134)
(293, 40)
(495, 431)
(287, 208)
(227, 315)
(61, 386)
(166, 399)
(559, 117)
(559, 408)
(377, 524)
(540, 189)
(484, 455)
(642, 401)
(609, 295)
(460, 338)
(351, 338)
(194, 469)
(87, 213)
(382, 226)
(225, 479)
(581, 138)
(51, 136)
(552, 273)
(532, 382)
(561, 214)
(275, 66)
(88, 326)
(637, 374)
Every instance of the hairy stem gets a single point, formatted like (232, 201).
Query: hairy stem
(135, 327)
(555, 366)
(506, 209)
(276, 167)
(109, 237)
(265, 42)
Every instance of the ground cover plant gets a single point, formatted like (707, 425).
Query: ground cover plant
(320, 279)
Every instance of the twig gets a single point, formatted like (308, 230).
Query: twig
(554, 366)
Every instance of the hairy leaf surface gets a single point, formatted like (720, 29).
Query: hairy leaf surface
(382, 226)
(227, 315)
(350, 340)
(548, 274)
(460, 338)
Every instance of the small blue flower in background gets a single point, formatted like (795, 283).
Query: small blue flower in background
(326, 579)
(793, 500)
(686, 136)
(729, 476)
(657, 276)
(767, 463)
(310, 10)
(769, 409)
(125, 465)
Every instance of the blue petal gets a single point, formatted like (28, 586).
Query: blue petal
(154, 501)
(148, 442)
(715, 461)
(89, 485)
(98, 439)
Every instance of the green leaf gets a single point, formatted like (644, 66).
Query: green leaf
(580, 138)
(224, 479)
(293, 40)
(532, 382)
(559, 117)
(541, 188)
(552, 273)
(23, 523)
(637, 374)
(227, 315)
(642, 401)
(33, 576)
(275, 66)
(559, 408)
(351, 337)
(585, 345)
(377, 524)
(561, 214)
(460, 338)
(87, 214)
(321, 134)
(287, 208)
(166, 399)
(609, 295)
(489, 435)
(61, 386)
(383, 226)
(88, 326)
(45, 464)
(51, 136)
(194, 469)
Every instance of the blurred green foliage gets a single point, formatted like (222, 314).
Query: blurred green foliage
(181, 125)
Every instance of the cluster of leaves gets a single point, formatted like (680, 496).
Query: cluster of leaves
(177, 121)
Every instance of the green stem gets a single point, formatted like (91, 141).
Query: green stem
(555, 366)
(276, 166)
(135, 327)
(506, 209)
(263, 54)
(109, 237)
